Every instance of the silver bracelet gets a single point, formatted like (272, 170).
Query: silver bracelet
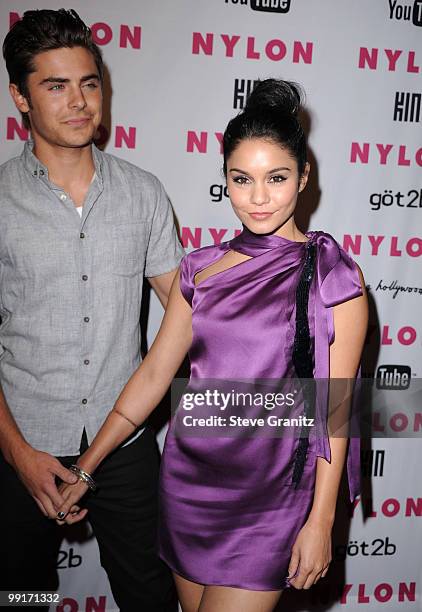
(83, 476)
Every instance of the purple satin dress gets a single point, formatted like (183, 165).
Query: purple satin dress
(229, 514)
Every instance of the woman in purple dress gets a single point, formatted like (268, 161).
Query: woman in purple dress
(243, 517)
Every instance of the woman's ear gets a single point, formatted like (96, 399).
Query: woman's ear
(304, 178)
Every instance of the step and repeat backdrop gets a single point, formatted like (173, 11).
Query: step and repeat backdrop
(176, 73)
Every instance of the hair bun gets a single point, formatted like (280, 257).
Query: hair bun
(284, 97)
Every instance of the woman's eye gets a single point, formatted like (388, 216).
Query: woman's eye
(91, 85)
(240, 180)
(278, 179)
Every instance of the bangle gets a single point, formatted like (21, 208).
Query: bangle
(125, 417)
(83, 476)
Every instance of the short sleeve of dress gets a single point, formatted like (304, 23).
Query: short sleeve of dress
(338, 276)
(339, 279)
(187, 286)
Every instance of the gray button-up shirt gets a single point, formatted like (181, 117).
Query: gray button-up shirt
(70, 292)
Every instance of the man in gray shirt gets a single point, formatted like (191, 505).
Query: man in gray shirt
(79, 230)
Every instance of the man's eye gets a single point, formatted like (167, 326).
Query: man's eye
(56, 87)
(278, 178)
(240, 180)
(91, 85)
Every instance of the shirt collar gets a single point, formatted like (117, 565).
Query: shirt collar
(38, 170)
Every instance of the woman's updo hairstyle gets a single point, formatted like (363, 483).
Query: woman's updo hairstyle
(271, 114)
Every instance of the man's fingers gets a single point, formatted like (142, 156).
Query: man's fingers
(48, 506)
(56, 498)
(64, 474)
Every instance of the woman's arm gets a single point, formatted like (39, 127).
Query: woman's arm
(312, 549)
(143, 391)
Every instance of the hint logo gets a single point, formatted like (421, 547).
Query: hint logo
(242, 91)
(405, 12)
(395, 377)
(407, 106)
(271, 6)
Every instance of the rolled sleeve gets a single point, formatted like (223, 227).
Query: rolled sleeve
(164, 250)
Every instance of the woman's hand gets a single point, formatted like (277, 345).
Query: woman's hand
(69, 512)
(311, 554)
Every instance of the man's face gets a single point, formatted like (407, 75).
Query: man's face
(65, 98)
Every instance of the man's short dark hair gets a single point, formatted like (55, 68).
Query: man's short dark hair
(44, 30)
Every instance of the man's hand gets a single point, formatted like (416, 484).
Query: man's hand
(37, 470)
(69, 512)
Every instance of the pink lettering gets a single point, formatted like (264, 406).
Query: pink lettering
(250, 49)
(200, 143)
(411, 63)
(129, 138)
(407, 590)
(201, 44)
(399, 422)
(406, 335)
(13, 18)
(300, 52)
(368, 58)
(230, 42)
(187, 237)
(392, 57)
(133, 38)
(362, 598)
(383, 592)
(375, 243)
(402, 161)
(275, 50)
(418, 157)
(390, 507)
(346, 590)
(376, 423)
(101, 33)
(219, 136)
(350, 245)
(394, 251)
(217, 235)
(417, 424)
(94, 606)
(384, 150)
(359, 152)
(385, 339)
(13, 127)
(68, 605)
(413, 506)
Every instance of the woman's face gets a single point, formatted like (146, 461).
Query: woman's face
(263, 185)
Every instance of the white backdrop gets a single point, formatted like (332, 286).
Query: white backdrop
(174, 69)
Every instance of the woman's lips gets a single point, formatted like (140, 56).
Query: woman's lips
(261, 215)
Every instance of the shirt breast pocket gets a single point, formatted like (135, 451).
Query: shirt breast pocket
(128, 244)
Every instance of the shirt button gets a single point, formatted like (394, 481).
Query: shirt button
(41, 172)
(84, 401)
(84, 277)
(86, 319)
(81, 235)
(63, 197)
(86, 361)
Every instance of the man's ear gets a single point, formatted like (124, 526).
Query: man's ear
(304, 178)
(19, 99)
